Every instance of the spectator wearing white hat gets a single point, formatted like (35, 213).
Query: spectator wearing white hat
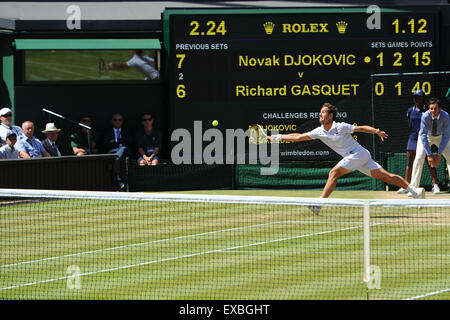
(51, 132)
(6, 127)
(8, 151)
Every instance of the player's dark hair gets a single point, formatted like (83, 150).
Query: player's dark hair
(331, 109)
(434, 100)
(139, 52)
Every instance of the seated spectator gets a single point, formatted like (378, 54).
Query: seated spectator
(119, 141)
(79, 140)
(51, 132)
(149, 142)
(28, 146)
(8, 151)
(6, 127)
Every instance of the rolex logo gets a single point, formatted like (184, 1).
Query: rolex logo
(268, 27)
(341, 26)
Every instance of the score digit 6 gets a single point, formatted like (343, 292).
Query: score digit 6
(181, 91)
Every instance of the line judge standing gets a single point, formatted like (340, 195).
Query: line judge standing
(414, 116)
(434, 129)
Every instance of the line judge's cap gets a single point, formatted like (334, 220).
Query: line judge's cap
(4, 111)
(50, 127)
(419, 92)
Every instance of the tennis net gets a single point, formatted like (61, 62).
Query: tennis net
(106, 245)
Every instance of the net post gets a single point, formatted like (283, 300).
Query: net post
(366, 241)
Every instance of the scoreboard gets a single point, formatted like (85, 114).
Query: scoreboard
(276, 67)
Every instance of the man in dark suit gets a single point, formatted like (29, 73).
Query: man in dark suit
(51, 132)
(119, 141)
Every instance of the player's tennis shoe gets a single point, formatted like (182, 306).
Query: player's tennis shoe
(315, 209)
(436, 189)
(402, 191)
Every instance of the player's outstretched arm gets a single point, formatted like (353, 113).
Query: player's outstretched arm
(368, 129)
(117, 66)
(292, 137)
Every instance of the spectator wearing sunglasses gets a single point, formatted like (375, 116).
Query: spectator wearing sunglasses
(79, 141)
(6, 127)
(118, 140)
(149, 142)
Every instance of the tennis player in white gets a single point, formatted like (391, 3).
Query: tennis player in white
(337, 136)
(138, 61)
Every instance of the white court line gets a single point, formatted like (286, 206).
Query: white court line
(134, 245)
(158, 241)
(428, 294)
(180, 257)
(70, 72)
(339, 253)
(297, 252)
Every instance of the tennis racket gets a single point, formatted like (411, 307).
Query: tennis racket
(101, 66)
(257, 134)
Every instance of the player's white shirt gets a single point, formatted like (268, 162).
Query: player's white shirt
(338, 138)
(143, 64)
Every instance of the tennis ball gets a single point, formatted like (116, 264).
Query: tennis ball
(215, 123)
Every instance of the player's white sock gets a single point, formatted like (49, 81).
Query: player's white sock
(416, 193)
(411, 191)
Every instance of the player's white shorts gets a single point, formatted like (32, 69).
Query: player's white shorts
(360, 160)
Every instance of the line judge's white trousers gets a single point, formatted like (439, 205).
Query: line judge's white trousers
(421, 154)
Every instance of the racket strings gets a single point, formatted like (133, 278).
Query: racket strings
(258, 135)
